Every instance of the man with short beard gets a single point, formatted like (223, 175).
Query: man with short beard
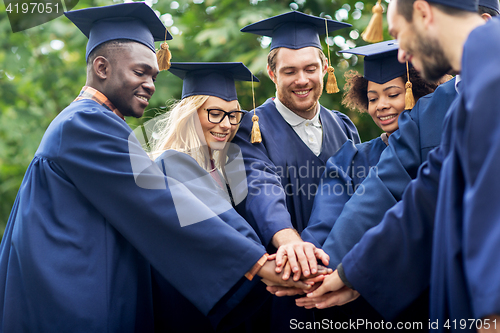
(460, 177)
(298, 137)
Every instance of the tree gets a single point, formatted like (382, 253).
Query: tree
(43, 68)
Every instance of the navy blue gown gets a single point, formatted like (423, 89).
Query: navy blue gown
(283, 175)
(282, 172)
(174, 312)
(337, 227)
(92, 215)
(445, 230)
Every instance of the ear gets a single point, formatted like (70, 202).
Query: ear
(422, 13)
(486, 16)
(271, 74)
(101, 67)
(325, 67)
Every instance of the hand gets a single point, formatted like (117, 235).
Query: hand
(271, 278)
(292, 249)
(287, 291)
(331, 292)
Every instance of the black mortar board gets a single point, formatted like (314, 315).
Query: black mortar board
(211, 78)
(491, 4)
(294, 30)
(468, 5)
(133, 21)
(381, 61)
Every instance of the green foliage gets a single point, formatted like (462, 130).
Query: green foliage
(43, 68)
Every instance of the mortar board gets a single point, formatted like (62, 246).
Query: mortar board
(381, 61)
(134, 21)
(468, 5)
(294, 30)
(491, 4)
(211, 78)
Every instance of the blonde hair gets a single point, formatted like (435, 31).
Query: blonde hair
(177, 130)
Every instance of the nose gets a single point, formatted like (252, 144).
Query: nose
(302, 78)
(149, 85)
(225, 124)
(402, 56)
(382, 104)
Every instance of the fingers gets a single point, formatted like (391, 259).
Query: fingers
(335, 298)
(307, 258)
(340, 297)
(280, 256)
(284, 291)
(321, 255)
(286, 271)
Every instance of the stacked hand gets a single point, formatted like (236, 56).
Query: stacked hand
(324, 287)
(328, 291)
(297, 257)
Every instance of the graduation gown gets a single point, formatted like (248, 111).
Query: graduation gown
(338, 228)
(174, 312)
(464, 271)
(282, 172)
(345, 171)
(465, 280)
(92, 214)
(283, 176)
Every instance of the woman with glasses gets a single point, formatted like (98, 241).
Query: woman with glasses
(190, 144)
(206, 119)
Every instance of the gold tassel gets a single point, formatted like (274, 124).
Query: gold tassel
(374, 32)
(163, 56)
(409, 99)
(256, 136)
(331, 82)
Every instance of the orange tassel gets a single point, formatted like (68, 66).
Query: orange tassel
(374, 32)
(331, 82)
(163, 56)
(409, 99)
(256, 136)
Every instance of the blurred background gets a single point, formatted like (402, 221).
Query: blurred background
(42, 69)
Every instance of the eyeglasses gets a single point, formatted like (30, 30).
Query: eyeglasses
(216, 116)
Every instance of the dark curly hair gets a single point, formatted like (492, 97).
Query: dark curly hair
(356, 89)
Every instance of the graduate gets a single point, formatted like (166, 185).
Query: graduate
(94, 213)
(298, 135)
(461, 261)
(381, 92)
(196, 134)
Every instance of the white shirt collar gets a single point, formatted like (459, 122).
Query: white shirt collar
(458, 78)
(292, 118)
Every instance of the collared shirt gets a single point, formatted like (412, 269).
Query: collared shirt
(97, 96)
(309, 130)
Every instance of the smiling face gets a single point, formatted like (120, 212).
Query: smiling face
(217, 135)
(130, 83)
(299, 79)
(385, 103)
(422, 50)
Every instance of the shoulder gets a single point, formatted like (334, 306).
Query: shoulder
(179, 165)
(334, 114)
(481, 48)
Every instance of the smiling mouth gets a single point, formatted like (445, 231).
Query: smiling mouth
(388, 117)
(219, 135)
(301, 92)
(143, 98)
